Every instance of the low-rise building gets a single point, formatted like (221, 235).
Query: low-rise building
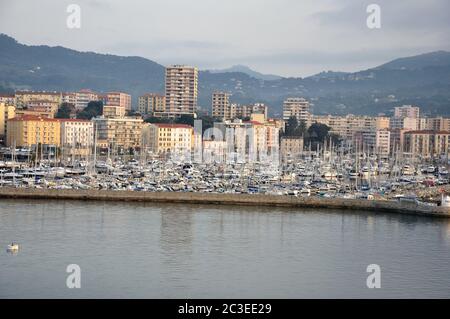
(291, 148)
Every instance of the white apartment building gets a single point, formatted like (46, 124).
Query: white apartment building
(298, 107)
(77, 135)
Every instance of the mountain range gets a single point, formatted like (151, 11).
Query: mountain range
(422, 80)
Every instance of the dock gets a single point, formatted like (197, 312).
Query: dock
(390, 206)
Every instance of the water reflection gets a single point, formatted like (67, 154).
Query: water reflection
(176, 238)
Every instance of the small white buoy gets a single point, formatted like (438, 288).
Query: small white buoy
(13, 247)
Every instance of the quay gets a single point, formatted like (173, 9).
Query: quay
(390, 206)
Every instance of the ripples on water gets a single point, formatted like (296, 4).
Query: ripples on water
(199, 251)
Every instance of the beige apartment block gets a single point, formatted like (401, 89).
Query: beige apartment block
(426, 144)
(435, 124)
(83, 97)
(349, 125)
(23, 98)
(118, 99)
(150, 103)
(221, 107)
(161, 138)
(124, 133)
(407, 111)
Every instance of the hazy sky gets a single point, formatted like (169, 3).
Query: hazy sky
(285, 37)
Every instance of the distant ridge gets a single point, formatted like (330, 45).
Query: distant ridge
(432, 59)
(248, 71)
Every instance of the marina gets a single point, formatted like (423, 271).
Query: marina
(323, 176)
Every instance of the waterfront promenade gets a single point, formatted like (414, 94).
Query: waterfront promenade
(392, 206)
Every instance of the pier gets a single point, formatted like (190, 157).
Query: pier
(391, 206)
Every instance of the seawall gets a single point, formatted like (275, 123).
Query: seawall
(225, 199)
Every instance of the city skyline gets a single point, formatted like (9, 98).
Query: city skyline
(302, 39)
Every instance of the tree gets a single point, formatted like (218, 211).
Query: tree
(207, 122)
(185, 119)
(93, 109)
(65, 111)
(133, 113)
(301, 129)
(153, 119)
(294, 128)
(318, 132)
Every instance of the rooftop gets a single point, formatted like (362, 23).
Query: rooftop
(428, 132)
(29, 117)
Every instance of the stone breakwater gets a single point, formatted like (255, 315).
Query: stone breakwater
(227, 199)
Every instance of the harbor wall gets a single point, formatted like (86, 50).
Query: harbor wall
(225, 199)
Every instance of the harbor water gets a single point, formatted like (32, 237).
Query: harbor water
(148, 250)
